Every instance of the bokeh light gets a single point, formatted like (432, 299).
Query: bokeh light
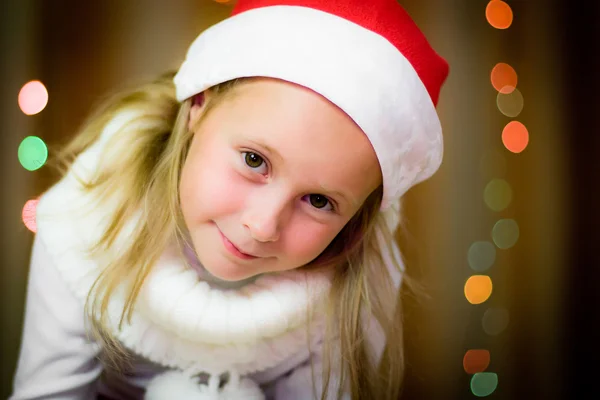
(478, 289)
(32, 153)
(495, 321)
(33, 97)
(515, 137)
(505, 233)
(510, 101)
(28, 215)
(504, 78)
(484, 383)
(476, 360)
(499, 14)
(481, 255)
(497, 194)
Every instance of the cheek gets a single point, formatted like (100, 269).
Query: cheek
(209, 187)
(307, 241)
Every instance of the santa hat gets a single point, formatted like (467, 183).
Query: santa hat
(367, 57)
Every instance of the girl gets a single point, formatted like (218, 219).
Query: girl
(227, 232)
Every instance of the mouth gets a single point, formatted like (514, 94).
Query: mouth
(234, 250)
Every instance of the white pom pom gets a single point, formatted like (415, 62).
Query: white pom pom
(178, 385)
(247, 390)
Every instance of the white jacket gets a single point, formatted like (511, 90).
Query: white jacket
(188, 337)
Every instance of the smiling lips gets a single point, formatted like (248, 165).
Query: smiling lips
(234, 250)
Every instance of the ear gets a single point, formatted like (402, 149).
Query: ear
(195, 113)
(198, 102)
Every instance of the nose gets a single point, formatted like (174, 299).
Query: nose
(265, 215)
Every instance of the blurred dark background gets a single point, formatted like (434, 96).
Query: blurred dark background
(538, 327)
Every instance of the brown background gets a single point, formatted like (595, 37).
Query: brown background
(547, 281)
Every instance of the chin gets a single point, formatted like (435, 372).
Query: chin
(228, 276)
(226, 270)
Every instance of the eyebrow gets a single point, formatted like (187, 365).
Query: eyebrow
(349, 200)
(274, 153)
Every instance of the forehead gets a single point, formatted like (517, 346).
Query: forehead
(310, 139)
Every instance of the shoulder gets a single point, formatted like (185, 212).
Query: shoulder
(70, 219)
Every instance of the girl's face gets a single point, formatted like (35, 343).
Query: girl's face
(273, 174)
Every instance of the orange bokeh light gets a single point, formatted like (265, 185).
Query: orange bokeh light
(515, 137)
(476, 361)
(499, 14)
(504, 78)
(478, 289)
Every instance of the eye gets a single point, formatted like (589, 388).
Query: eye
(253, 160)
(319, 201)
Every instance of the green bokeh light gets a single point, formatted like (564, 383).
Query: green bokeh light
(33, 153)
(505, 233)
(481, 255)
(484, 383)
(495, 321)
(497, 194)
(510, 104)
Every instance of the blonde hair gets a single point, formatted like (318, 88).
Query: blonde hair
(151, 150)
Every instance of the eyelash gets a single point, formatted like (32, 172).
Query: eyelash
(245, 153)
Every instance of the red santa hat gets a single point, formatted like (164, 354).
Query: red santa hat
(367, 57)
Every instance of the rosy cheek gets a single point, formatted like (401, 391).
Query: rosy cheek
(308, 240)
(206, 186)
(221, 185)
